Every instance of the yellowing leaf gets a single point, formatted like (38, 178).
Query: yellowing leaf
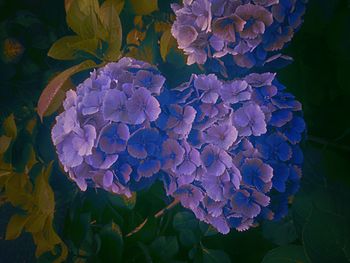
(4, 173)
(161, 27)
(148, 50)
(83, 18)
(31, 159)
(67, 4)
(36, 221)
(4, 143)
(110, 18)
(143, 7)
(131, 201)
(51, 90)
(165, 44)
(18, 191)
(62, 49)
(10, 127)
(15, 226)
(135, 37)
(43, 194)
(31, 125)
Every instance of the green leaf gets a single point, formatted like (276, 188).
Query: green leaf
(15, 226)
(50, 92)
(286, 254)
(121, 201)
(9, 126)
(84, 19)
(215, 256)
(207, 230)
(66, 47)
(110, 19)
(184, 220)
(165, 247)
(111, 244)
(143, 7)
(281, 233)
(188, 238)
(324, 236)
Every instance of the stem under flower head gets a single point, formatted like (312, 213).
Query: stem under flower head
(157, 215)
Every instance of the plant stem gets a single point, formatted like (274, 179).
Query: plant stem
(328, 143)
(157, 215)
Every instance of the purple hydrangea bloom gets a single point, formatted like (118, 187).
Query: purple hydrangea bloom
(243, 160)
(250, 120)
(228, 36)
(106, 134)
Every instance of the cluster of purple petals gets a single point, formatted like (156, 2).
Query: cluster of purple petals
(232, 152)
(228, 150)
(235, 33)
(106, 135)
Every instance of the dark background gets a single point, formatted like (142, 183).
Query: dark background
(319, 77)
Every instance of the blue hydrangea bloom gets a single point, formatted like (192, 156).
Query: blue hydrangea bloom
(241, 158)
(235, 36)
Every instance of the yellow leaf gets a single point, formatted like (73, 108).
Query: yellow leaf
(31, 125)
(47, 239)
(83, 18)
(15, 226)
(165, 44)
(4, 173)
(18, 190)
(62, 49)
(135, 37)
(67, 4)
(110, 18)
(161, 27)
(4, 143)
(32, 158)
(43, 194)
(86, 45)
(143, 7)
(9, 126)
(51, 90)
(130, 201)
(36, 221)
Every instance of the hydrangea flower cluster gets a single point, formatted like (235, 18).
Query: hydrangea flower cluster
(227, 150)
(232, 154)
(235, 34)
(106, 135)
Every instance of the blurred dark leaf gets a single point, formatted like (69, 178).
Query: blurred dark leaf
(188, 238)
(324, 237)
(111, 244)
(215, 256)
(286, 254)
(281, 233)
(165, 247)
(184, 220)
